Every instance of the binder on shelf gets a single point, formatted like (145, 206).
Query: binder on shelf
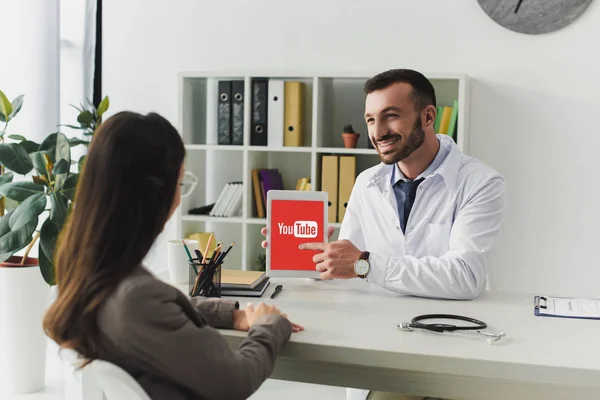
(264, 180)
(566, 307)
(260, 98)
(224, 113)
(293, 113)
(329, 184)
(237, 116)
(275, 115)
(347, 176)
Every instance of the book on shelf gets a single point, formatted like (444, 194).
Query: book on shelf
(229, 201)
(266, 179)
(446, 121)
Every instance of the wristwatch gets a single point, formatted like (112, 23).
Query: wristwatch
(362, 266)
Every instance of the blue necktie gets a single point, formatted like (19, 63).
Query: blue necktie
(405, 194)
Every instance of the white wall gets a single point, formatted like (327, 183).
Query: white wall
(535, 99)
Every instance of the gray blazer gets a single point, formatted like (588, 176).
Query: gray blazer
(169, 343)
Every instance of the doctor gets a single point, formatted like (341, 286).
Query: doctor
(426, 219)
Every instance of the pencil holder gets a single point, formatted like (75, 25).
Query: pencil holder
(204, 278)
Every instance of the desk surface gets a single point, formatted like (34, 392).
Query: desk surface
(353, 323)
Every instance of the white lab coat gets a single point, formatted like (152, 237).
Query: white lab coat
(450, 232)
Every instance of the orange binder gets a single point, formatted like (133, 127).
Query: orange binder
(347, 177)
(329, 184)
(293, 113)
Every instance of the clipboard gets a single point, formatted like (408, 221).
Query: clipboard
(566, 307)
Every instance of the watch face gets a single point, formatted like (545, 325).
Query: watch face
(361, 267)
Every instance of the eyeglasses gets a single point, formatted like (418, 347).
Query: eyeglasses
(188, 183)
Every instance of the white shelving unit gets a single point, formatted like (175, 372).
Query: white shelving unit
(331, 101)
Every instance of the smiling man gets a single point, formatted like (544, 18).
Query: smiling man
(423, 222)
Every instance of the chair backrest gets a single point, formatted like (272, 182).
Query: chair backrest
(115, 382)
(104, 380)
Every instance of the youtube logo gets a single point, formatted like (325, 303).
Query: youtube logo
(300, 229)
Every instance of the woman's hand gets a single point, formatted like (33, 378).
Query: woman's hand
(240, 322)
(244, 319)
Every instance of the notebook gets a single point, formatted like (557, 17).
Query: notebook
(565, 307)
(256, 292)
(237, 279)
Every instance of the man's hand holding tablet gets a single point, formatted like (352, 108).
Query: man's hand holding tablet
(336, 259)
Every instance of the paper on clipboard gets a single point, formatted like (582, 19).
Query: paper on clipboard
(567, 307)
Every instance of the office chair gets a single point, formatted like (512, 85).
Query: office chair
(102, 380)
(116, 384)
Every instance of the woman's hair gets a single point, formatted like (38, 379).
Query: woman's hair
(123, 200)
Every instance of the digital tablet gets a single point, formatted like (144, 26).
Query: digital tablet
(294, 217)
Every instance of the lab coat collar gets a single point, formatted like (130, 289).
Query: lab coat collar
(448, 169)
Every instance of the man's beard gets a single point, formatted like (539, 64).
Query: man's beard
(414, 140)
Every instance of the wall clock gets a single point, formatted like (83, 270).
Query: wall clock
(534, 17)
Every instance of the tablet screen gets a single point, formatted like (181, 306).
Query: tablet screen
(294, 222)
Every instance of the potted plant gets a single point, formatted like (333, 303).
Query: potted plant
(34, 211)
(350, 137)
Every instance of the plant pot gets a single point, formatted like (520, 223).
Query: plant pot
(24, 298)
(350, 140)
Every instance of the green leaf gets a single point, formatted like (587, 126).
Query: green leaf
(76, 142)
(6, 178)
(81, 163)
(63, 149)
(14, 157)
(49, 144)
(61, 167)
(5, 106)
(12, 241)
(17, 137)
(17, 103)
(30, 146)
(19, 191)
(103, 106)
(46, 265)
(59, 181)
(58, 209)
(49, 233)
(37, 157)
(85, 118)
(69, 186)
(28, 211)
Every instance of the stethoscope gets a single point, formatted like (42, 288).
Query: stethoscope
(477, 326)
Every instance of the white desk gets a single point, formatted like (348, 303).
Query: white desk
(350, 340)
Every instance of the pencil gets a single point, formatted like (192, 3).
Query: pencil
(207, 247)
(187, 250)
(223, 255)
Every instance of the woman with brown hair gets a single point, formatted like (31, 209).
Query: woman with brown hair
(110, 307)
